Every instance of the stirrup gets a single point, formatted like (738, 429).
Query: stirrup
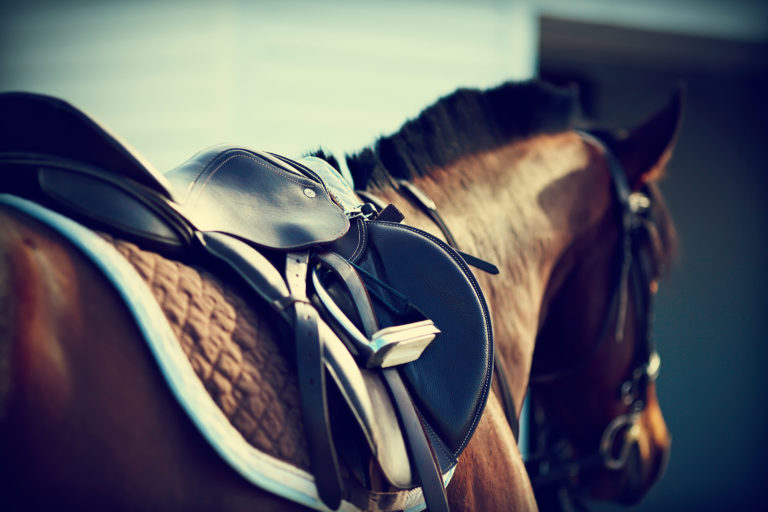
(390, 346)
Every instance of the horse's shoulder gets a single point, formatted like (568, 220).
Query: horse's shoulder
(492, 456)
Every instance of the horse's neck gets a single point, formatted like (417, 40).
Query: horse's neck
(520, 207)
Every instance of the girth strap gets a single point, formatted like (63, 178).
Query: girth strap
(311, 376)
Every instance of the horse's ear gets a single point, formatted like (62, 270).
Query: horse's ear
(645, 151)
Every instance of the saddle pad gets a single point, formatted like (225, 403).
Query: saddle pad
(273, 470)
(257, 197)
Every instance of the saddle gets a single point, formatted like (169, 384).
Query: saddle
(391, 334)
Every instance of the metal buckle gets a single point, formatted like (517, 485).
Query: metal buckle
(626, 423)
(639, 203)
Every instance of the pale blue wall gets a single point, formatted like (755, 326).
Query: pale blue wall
(173, 77)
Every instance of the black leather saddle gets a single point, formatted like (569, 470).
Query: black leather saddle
(392, 315)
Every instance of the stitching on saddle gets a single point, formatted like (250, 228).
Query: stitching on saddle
(440, 446)
(203, 166)
(258, 161)
(362, 242)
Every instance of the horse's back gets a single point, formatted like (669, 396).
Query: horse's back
(83, 401)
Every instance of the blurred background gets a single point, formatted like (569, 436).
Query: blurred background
(173, 77)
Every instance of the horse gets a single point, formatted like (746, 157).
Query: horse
(86, 417)
(590, 389)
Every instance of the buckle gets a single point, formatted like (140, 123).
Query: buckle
(639, 203)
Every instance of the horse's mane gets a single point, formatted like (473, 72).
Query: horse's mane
(470, 121)
(465, 122)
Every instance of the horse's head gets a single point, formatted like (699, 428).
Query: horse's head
(599, 426)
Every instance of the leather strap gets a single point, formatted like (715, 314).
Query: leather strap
(507, 400)
(478, 263)
(311, 375)
(429, 207)
(421, 451)
(427, 467)
(423, 201)
(351, 280)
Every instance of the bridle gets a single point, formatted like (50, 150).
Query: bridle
(552, 459)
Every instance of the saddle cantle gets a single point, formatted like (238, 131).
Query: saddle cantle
(36, 126)
(393, 315)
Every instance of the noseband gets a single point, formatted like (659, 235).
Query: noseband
(553, 458)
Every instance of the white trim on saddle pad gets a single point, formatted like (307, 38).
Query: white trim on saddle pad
(262, 470)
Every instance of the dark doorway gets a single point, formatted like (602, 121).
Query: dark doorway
(712, 314)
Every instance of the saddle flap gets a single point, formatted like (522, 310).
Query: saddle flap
(35, 125)
(450, 381)
(245, 194)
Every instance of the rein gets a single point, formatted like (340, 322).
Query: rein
(636, 273)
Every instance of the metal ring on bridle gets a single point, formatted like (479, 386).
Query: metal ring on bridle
(626, 423)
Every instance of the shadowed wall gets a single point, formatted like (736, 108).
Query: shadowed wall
(711, 320)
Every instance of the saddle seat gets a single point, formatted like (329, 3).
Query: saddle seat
(393, 315)
(258, 197)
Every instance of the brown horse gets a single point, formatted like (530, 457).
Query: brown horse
(546, 207)
(86, 418)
